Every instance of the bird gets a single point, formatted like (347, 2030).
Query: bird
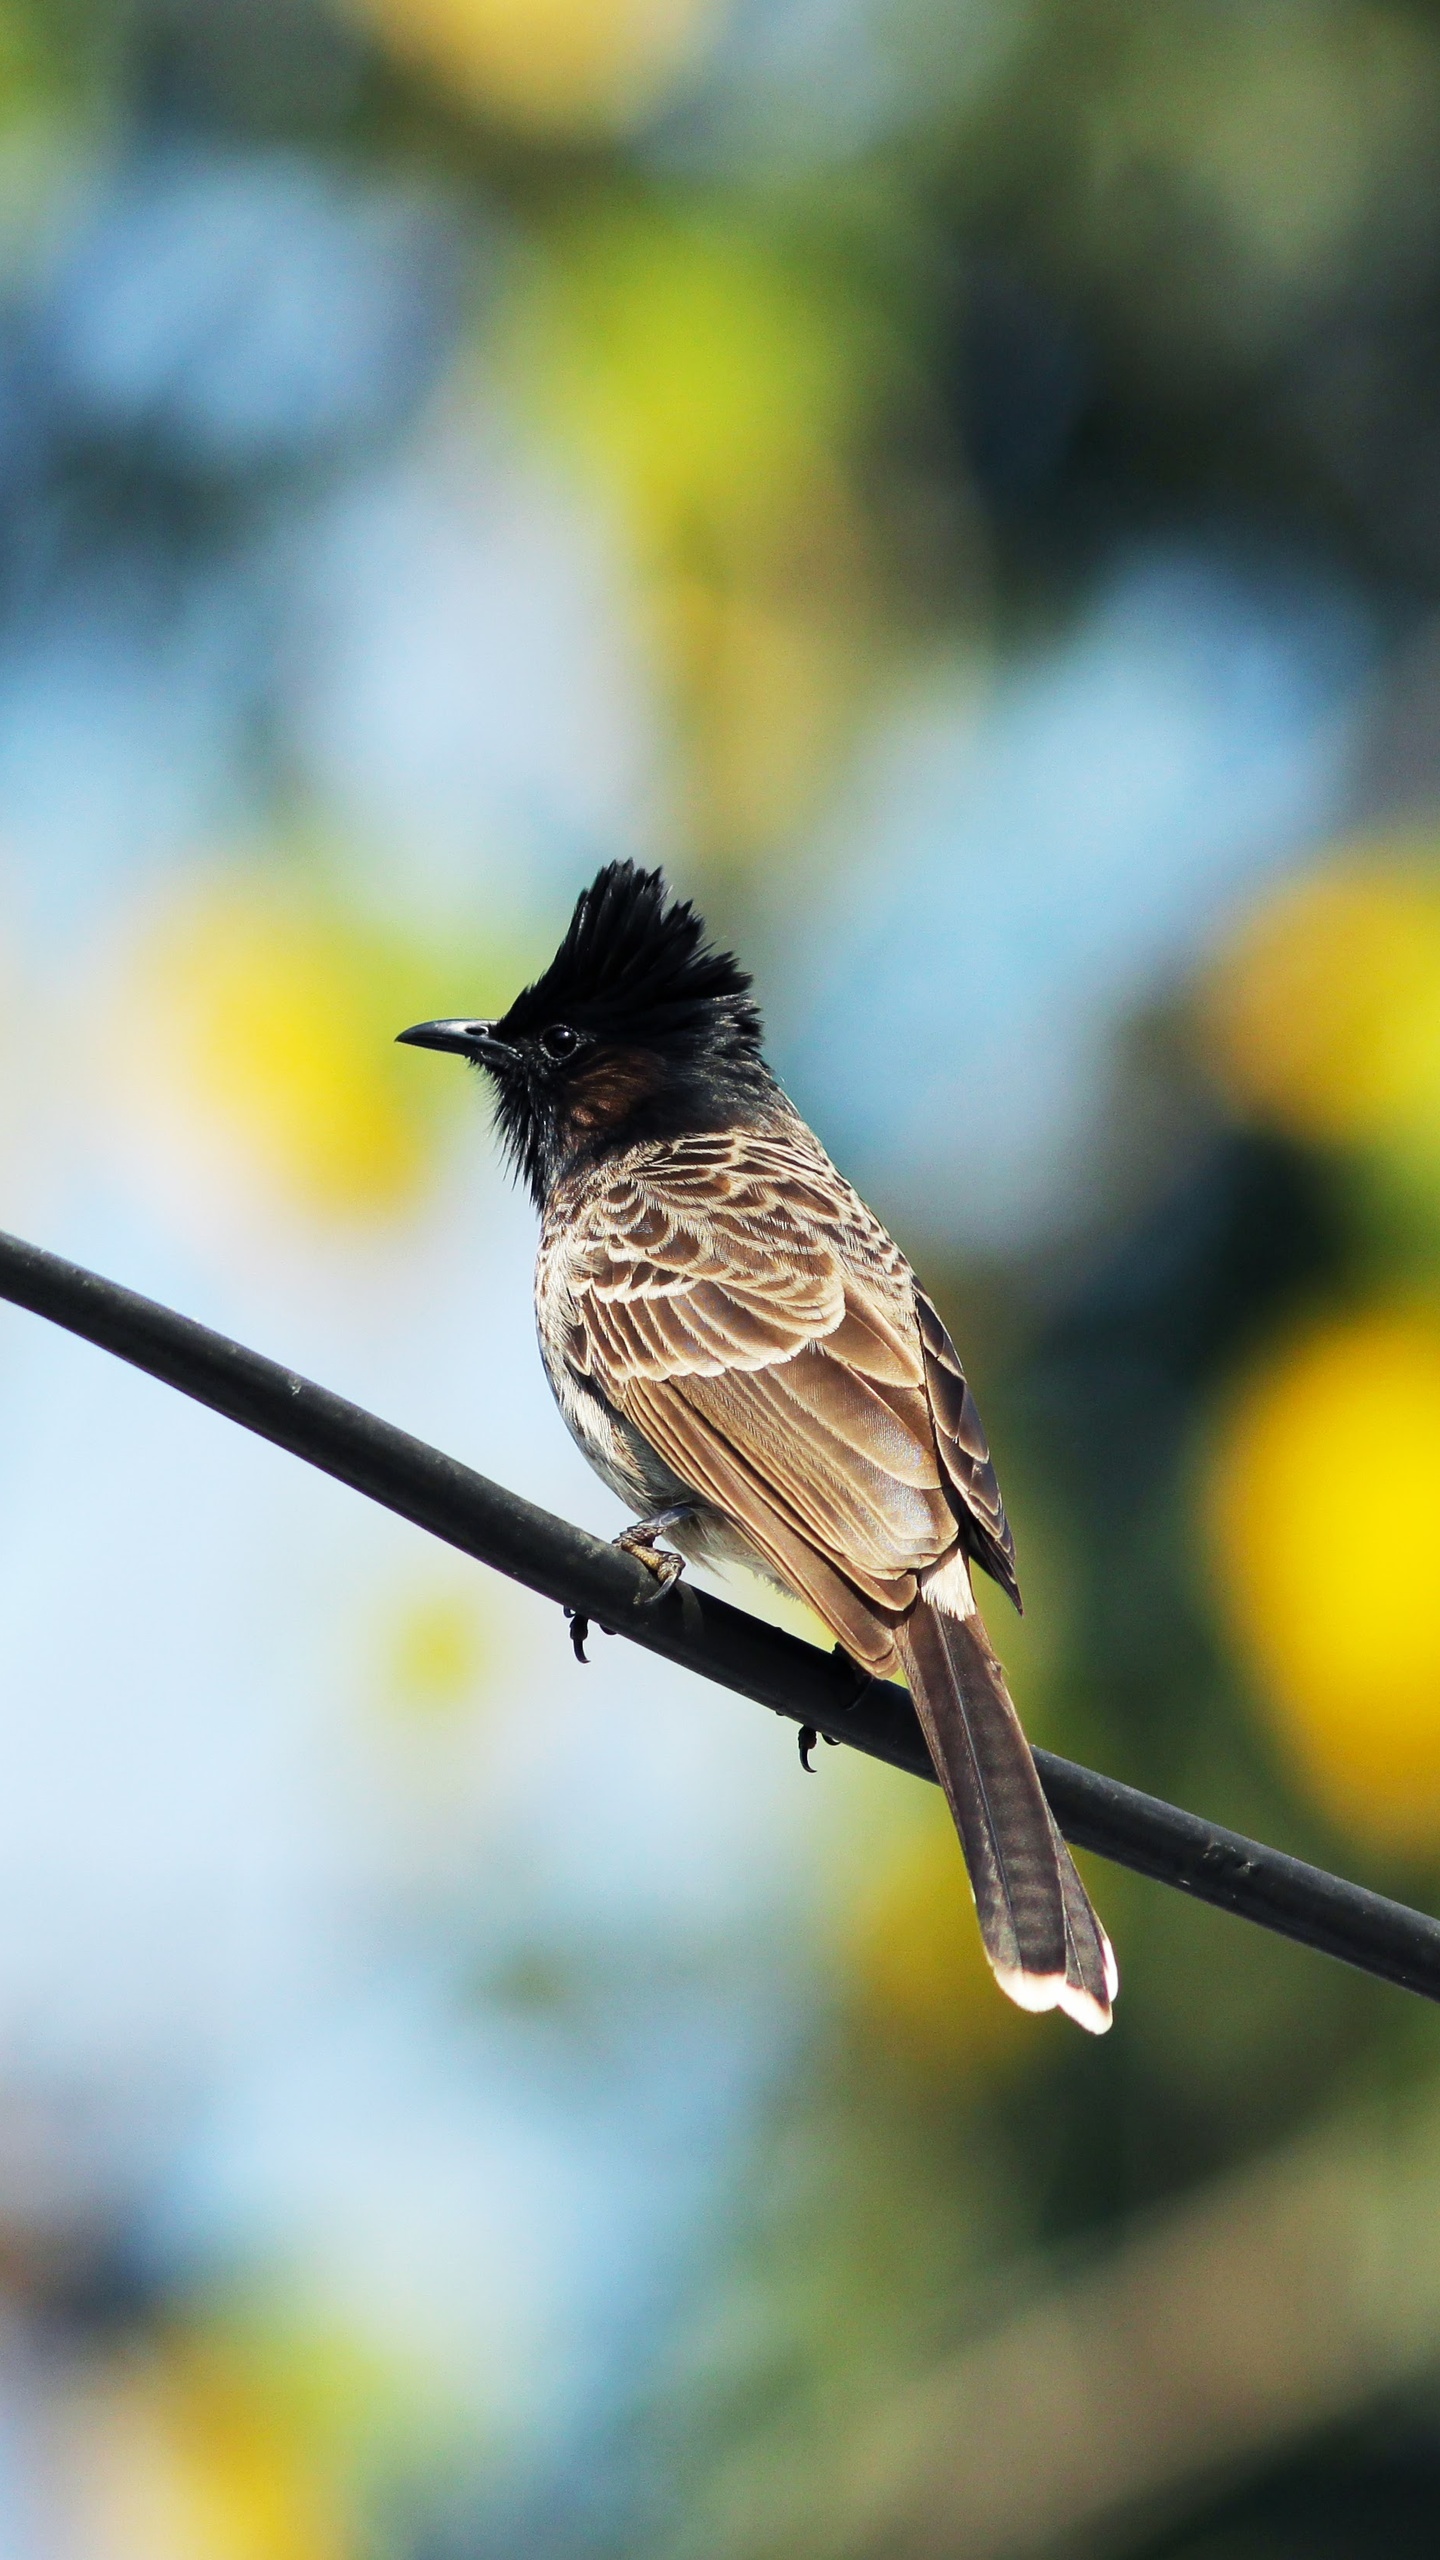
(747, 1359)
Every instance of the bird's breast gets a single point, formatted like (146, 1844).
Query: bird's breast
(619, 1454)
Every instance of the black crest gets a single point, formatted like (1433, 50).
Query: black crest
(635, 965)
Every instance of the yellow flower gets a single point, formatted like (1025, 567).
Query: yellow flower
(257, 1021)
(1323, 1017)
(187, 2458)
(1323, 1502)
(555, 68)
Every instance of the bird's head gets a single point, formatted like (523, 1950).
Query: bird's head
(637, 1029)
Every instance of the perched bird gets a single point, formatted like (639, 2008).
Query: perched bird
(748, 1360)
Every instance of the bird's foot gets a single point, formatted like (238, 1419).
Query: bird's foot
(808, 1737)
(664, 1567)
(639, 1541)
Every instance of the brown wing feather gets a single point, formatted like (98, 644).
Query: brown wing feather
(965, 1452)
(871, 1521)
(801, 1553)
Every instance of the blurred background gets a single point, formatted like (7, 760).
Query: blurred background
(960, 485)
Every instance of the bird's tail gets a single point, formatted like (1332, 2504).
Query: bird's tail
(1041, 1934)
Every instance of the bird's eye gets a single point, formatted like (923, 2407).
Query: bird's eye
(560, 1041)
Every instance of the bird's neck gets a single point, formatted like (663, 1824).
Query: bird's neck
(735, 1095)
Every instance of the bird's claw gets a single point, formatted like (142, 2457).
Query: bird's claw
(580, 1633)
(666, 1568)
(808, 1737)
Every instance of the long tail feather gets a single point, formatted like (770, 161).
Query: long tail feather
(1041, 1934)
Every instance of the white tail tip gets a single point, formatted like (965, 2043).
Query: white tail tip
(1112, 1970)
(1040, 1991)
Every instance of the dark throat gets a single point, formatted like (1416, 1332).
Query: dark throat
(628, 1097)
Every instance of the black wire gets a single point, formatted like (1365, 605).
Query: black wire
(688, 1626)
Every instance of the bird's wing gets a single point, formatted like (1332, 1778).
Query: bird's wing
(737, 1304)
(965, 1453)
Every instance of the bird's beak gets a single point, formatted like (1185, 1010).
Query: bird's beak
(475, 1040)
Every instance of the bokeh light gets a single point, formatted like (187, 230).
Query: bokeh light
(256, 1029)
(1323, 1015)
(440, 1655)
(560, 68)
(1323, 1495)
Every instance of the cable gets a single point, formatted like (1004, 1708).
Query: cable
(704, 1634)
